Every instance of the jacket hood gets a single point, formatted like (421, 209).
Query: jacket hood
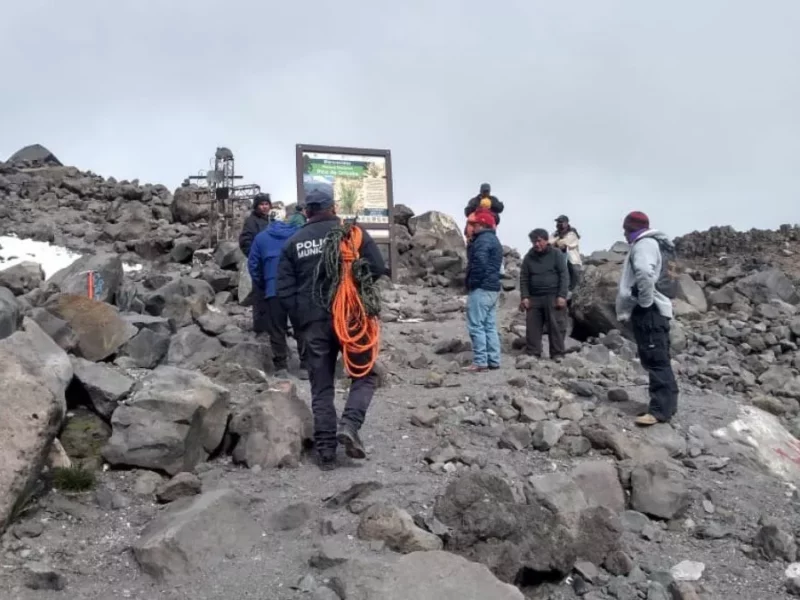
(282, 231)
(655, 234)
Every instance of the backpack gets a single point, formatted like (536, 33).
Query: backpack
(667, 282)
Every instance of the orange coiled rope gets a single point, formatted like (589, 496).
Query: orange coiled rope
(358, 331)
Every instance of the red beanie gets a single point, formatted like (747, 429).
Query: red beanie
(483, 216)
(635, 221)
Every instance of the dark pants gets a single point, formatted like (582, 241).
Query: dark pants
(574, 276)
(651, 331)
(277, 323)
(322, 350)
(301, 345)
(260, 310)
(543, 312)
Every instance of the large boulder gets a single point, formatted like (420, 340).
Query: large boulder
(173, 420)
(764, 286)
(101, 386)
(593, 304)
(272, 428)
(436, 253)
(35, 156)
(659, 489)
(190, 204)
(190, 348)
(9, 313)
(58, 329)
(436, 230)
(108, 277)
(480, 507)
(181, 300)
(690, 292)
(22, 277)
(195, 535)
(434, 575)
(560, 523)
(100, 329)
(34, 372)
(145, 350)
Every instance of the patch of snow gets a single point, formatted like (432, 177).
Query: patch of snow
(14, 250)
(52, 258)
(129, 267)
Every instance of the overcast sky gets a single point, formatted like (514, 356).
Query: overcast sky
(687, 110)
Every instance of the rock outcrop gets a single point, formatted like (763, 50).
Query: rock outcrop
(34, 374)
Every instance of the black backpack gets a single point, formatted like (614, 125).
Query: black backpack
(667, 282)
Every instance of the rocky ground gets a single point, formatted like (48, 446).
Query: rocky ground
(158, 401)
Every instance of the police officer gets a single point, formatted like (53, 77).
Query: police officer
(296, 272)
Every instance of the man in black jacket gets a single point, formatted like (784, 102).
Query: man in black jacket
(494, 204)
(295, 287)
(544, 284)
(255, 223)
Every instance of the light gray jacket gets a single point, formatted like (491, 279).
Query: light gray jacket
(641, 269)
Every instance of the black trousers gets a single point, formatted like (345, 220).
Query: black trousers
(277, 327)
(322, 350)
(574, 276)
(543, 312)
(260, 309)
(651, 332)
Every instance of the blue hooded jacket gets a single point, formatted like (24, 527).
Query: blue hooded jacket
(265, 254)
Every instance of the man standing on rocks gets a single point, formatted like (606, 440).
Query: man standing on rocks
(263, 267)
(296, 287)
(645, 289)
(484, 200)
(544, 285)
(484, 262)
(255, 223)
(567, 239)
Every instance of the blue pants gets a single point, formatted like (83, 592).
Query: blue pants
(482, 327)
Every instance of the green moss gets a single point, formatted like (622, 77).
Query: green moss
(84, 436)
(73, 479)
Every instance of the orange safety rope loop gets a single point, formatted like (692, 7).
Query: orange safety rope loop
(358, 333)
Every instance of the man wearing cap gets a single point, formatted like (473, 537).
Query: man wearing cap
(484, 200)
(484, 261)
(296, 280)
(567, 239)
(262, 265)
(641, 301)
(256, 222)
(544, 285)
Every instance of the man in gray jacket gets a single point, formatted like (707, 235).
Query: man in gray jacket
(543, 285)
(645, 288)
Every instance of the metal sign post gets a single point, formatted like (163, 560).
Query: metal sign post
(361, 179)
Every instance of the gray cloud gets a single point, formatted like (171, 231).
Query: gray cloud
(686, 110)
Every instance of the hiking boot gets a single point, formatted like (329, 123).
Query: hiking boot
(494, 367)
(646, 420)
(281, 374)
(326, 461)
(476, 369)
(348, 437)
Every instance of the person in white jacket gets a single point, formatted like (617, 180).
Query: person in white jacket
(567, 239)
(645, 288)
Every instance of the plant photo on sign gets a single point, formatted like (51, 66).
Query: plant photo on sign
(347, 199)
(375, 170)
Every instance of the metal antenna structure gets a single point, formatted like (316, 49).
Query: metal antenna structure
(223, 195)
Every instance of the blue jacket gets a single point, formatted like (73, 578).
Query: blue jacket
(265, 254)
(484, 261)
